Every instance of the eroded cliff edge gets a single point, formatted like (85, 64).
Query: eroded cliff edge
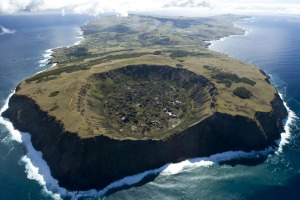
(80, 164)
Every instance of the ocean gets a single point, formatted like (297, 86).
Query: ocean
(271, 43)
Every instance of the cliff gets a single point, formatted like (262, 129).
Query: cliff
(80, 164)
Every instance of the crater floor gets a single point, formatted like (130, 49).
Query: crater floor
(145, 100)
(145, 107)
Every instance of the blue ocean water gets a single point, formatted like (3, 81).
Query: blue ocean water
(272, 44)
(22, 55)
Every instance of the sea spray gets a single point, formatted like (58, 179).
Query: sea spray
(15, 134)
(80, 36)
(47, 55)
(285, 136)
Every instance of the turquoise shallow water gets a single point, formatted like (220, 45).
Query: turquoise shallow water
(273, 45)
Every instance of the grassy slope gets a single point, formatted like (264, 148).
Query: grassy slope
(115, 42)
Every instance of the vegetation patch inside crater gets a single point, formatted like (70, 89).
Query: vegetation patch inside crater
(146, 107)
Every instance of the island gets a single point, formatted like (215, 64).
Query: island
(140, 92)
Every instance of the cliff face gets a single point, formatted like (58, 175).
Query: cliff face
(80, 164)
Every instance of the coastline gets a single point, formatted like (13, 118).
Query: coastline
(80, 36)
(211, 43)
(285, 136)
(35, 167)
(291, 115)
(33, 158)
(48, 53)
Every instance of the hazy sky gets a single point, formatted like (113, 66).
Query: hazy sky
(122, 7)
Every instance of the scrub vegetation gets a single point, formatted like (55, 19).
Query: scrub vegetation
(242, 92)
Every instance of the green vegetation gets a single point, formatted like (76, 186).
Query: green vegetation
(242, 92)
(54, 108)
(48, 78)
(157, 52)
(53, 94)
(53, 73)
(181, 53)
(227, 78)
(144, 109)
(79, 52)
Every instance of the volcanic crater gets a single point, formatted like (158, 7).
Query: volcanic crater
(145, 101)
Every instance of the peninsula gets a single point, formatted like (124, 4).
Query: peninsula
(140, 92)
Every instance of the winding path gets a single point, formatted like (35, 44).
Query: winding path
(70, 95)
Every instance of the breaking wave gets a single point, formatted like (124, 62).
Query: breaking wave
(46, 57)
(80, 36)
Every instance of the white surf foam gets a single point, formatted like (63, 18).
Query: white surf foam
(47, 55)
(214, 159)
(80, 36)
(37, 169)
(285, 136)
(15, 134)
